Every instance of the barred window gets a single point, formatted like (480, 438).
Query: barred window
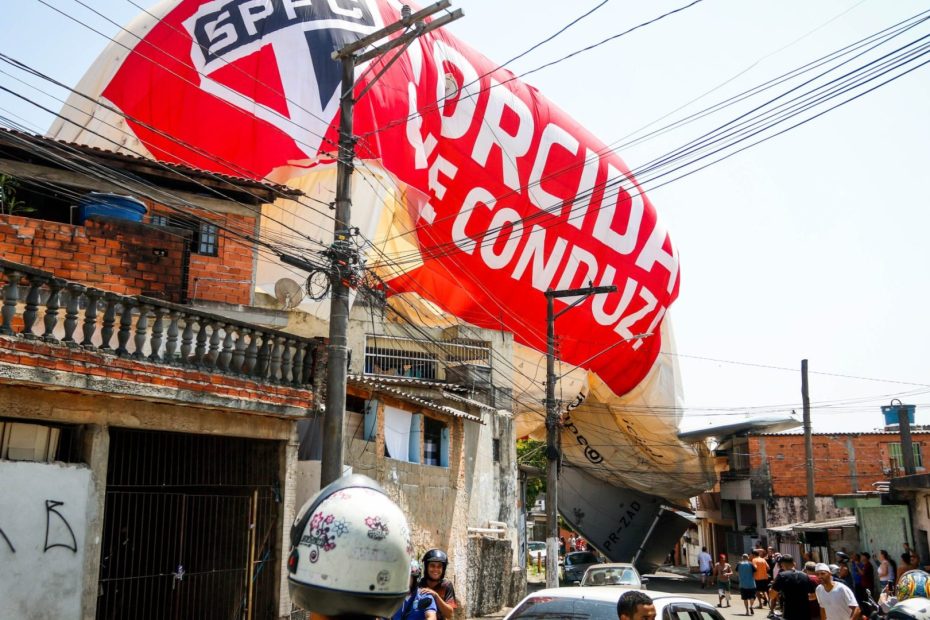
(204, 237)
(897, 456)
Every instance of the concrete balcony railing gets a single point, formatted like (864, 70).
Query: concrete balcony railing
(150, 330)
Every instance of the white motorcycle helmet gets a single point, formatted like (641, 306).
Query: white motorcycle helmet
(350, 551)
(911, 609)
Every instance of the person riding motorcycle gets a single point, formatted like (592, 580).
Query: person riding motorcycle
(417, 605)
(350, 552)
(435, 584)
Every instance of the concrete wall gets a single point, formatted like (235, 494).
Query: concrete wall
(488, 580)
(785, 510)
(45, 511)
(884, 527)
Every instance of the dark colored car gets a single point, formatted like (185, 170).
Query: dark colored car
(575, 565)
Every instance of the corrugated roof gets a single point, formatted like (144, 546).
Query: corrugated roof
(470, 401)
(840, 433)
(181, 169)
(377, 385)
(399, 380)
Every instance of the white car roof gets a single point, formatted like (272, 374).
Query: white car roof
(608, 594)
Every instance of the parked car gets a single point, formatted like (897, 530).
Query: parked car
(576, 563)
(536, 548)
(621, 574)
(600, 603)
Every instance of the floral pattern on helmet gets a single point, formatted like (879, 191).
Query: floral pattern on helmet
(377, 529)
(321, 534)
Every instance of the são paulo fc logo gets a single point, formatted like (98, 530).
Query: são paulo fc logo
(273, 57)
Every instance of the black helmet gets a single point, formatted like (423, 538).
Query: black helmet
(842, 557)
(436, 555)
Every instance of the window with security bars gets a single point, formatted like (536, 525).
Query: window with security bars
(897, 456)
(204, 240)
(432, 442)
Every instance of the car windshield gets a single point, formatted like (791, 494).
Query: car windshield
(580, 558)
(565, 609)
(537, 546)
(611, 576)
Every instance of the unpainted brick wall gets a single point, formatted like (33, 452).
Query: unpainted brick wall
(227, 277)
(837, 469)
(114, 255)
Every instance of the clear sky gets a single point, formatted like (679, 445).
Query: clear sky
(811, 245)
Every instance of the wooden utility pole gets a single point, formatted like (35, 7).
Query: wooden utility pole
(342, 253)
(554, 428)
(808, 445)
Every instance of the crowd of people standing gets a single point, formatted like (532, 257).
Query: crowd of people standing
(770, 581)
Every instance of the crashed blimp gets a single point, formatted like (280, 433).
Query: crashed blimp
(476, 193)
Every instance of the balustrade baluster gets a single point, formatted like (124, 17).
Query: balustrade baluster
(314, 352)
(237, 365)
(52, 306)
(125, 328)
(187, 341)
(226, 355)
(75, 291)
(90, 317)
(171, 346)
(201, 349)
(109, 320)
(264, 354)
(297, 367)
(10, 299)
(33, 298)
(276, 353)
(158, 328)
(213, 357)
(251, 353)
(287, 361)
(142, 326)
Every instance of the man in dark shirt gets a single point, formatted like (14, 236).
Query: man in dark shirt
(793, 588)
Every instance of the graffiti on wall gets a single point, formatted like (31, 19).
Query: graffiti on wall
(45, 509)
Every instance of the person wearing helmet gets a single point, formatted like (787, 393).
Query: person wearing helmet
(913, 584)
(435, 584)
(417, 605)
(845, 574)
(350, 552)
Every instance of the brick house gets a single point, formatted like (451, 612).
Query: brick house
(764, 490)
(141, 372)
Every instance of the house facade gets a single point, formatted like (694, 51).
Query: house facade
(158, 416)
(762, 495)
(429, 416)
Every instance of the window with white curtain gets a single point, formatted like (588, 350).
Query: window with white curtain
(397, 432)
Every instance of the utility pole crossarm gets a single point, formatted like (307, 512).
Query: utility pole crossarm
(374, 37)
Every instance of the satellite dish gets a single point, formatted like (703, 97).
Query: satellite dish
(288, 293)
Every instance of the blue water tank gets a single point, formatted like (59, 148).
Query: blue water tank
(891, 413)
(110, 205)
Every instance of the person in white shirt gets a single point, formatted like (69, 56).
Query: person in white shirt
(705, 565)
(836, 600)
